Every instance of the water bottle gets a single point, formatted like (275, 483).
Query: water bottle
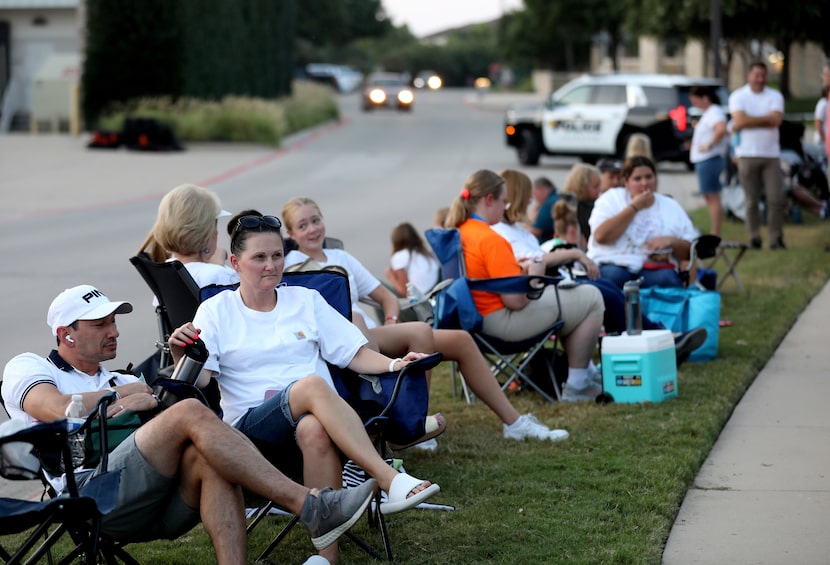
(75, 418)
(633, 312)
(413, 294)
(191, 363)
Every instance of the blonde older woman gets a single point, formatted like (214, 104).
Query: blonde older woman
(186, 229)
(585, 183)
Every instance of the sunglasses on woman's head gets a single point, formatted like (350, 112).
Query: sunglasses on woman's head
(255, 222)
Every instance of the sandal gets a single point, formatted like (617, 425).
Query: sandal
(402, 485)
(434, 426)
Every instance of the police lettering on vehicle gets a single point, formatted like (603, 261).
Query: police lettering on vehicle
(576, 126)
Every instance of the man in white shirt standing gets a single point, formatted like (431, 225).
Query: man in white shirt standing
(757, 112)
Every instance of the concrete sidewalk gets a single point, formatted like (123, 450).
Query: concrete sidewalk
(763, 494)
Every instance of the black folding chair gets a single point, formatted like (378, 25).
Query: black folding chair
(76, 511)
(177, 294)
(392, 406)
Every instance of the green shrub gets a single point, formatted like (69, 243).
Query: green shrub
(234, 118)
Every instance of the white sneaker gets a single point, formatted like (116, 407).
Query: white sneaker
(527, 426)
(428, 445)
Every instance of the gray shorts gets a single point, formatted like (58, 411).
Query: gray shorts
(149, 504)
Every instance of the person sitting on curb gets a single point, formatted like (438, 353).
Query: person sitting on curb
(183, 465)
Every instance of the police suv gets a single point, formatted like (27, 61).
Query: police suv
(594, 115)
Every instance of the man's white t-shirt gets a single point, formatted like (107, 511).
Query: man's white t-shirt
(757, 142)
(259, 353)
(421, 270)
(821, 115)
(361, 281)
(705, 132)
(664, 217)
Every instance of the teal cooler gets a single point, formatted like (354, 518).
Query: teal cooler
(640, 368)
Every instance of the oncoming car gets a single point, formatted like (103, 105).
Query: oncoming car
(387, 90)
(594, 115)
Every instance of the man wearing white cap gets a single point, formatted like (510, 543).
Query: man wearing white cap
(183, 465)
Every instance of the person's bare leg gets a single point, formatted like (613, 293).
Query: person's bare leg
(805, 198)
(582, 342)
(321, 465)
(163, 439)
(220, 505)
(313, 395)
(396, 340)
(458, 345)
(713, 202)
(360, 322)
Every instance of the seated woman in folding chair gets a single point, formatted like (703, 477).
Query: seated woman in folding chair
(568, 256)
(514, 317)
(267, 349)
(636, 232)
(304, 223)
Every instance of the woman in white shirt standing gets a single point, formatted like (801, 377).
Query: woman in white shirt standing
(708, 150)
(411, 261)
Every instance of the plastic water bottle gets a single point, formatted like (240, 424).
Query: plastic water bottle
(633, 308)
(413, 294)
(75, 417)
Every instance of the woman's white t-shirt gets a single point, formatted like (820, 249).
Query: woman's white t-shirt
(361, 281)
(525, 244)
(421, 270)
(259, 353)
(664, 217)
(704, 132)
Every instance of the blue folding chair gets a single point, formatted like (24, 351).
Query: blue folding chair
(392, 406)
(455, 309)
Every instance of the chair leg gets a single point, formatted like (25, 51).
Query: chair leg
(279, 538)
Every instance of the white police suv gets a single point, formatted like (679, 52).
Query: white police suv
(594, 115)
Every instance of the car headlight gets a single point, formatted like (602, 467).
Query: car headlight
(405, 97)
(377, 96)
(434, 82)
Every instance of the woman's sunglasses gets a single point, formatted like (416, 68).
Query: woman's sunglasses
(255, 222)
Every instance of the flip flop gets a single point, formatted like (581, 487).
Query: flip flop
(402, 485)
(434, 426)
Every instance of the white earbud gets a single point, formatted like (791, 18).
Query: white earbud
(69, 339)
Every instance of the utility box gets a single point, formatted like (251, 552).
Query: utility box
(55, 96)
(639, 368)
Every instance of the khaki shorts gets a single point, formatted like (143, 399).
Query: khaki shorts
(579, 302)
(149, 504)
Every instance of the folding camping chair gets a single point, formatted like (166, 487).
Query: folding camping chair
(177, 294)
(77, 511)
(375, 398)
(704, 247)
(508, 359)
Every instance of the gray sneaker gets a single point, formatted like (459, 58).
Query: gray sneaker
(329, 514)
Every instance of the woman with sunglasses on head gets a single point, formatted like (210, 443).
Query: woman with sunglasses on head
(304, 224)
(267, 350)
(514, 317)
(636, 232)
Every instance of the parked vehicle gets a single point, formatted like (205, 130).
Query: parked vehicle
(387, 90)
(343, 79)
(594, 115)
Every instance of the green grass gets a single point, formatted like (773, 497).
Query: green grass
(234, 118)
(611, 492)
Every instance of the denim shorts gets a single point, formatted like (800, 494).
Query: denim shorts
(272, 430)
(708, 174)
